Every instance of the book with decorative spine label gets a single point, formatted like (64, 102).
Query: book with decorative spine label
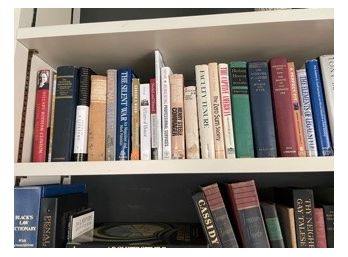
(177, 114)
(166, 114)
(111, 104)
(206, 126)
(191, 123)
(135, 155)
(145, 122)
(97, 120)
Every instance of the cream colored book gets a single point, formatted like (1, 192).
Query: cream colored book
(135, 155)
(177, 112)
(216, 111)
(97, 119)
(205, 119)
(53, 98)
(111, 103)
(191, 123)
(145, 122)
(287, 225)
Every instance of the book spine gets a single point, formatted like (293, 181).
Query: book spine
(158, 151)
(319, 109)
(48, 223)
(177, 114)
(243, 133)
(166, 114)
(246, 208)
(261, 110)
(272, 224)
(97, 120)
(82, 115)
(64, 113)
(206, 219)
(320, 228)
(53, 99)
(206, 131)
(301, 148)
(153, 112)
(307, 115)
(191, 122)
(111, 97)
(226, 107)
(135, 155)
(329, 224)
(282, 108)
(327, 71)
(124, 112)
(216, 111)
(145, 122)
(287, 224)
(220, 216)
(304, 218)
(41, 121)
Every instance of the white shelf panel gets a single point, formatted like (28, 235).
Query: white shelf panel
(245, 165)
(185, 41)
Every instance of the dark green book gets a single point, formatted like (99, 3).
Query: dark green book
(242, 127)
(274, 232)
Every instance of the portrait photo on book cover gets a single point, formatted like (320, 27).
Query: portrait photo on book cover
(43, 79)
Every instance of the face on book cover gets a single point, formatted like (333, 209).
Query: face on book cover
(43, 79)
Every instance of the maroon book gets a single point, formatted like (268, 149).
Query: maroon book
(42, 116)
(320, 228)
(282, 108)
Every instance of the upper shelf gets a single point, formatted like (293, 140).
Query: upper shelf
(243, 165)
(185, 41)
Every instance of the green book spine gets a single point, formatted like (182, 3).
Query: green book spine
(243, 134)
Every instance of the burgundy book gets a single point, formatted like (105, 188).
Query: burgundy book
(153, 118)
(320, 228)
(42, 116)
(247, 213)
(282, 108)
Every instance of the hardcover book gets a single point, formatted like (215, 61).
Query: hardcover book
(145, 122)
(53, 99)
(166, 113)
(320, 228)
(242, 127)
(111, 104)
(329, 224)
(135, 155)
(261, 110)
(272, 224)
(287, 225)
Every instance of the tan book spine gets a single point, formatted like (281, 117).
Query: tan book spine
(301, 148)
(287, 224)
(111, 103)
(191, 122)
(135, 155)
(216, 111)
(97, 119)
(53, 98)
(177, 113)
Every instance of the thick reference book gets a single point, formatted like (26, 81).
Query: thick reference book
(27, 201)
(111, 104)
(245, 207)
(54, 218)
(220, 215)
(243, 131)
(64, 113)
(319, 108)
(261, 110)
(124, 113)
(124, 235)
(302, 200)
(283, 108)
(287, 225)
(145, 122)
(206, 219)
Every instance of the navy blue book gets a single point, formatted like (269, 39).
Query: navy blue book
(27, 202)
(261, 110)
(64, 113)
(124, 114)
(319, 108)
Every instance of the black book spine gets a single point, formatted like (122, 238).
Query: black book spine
(64, 113)
(47, 223)
(206, 220)
(329, 224)
(82, 115)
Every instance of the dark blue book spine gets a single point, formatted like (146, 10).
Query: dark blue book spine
(319, 109)
(26, 216)
(64, 113)
(63, 189)
(261, 110)
(124, 114)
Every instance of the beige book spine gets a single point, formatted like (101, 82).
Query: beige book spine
(216, 111)
(177, 113)
(191, 122)
(53, 98)
(287, 224)
(97, 119)
(135, 155)
(111, 103)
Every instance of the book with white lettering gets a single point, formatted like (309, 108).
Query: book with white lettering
(145, 122)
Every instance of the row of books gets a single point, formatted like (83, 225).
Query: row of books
(240, 109)
(232, 216)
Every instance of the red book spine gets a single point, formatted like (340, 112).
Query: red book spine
(152, 96)
(42, 113)
(282, 108)
(319, 222)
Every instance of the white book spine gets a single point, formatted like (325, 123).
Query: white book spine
(327, 71)
(111, 103)
(226, 107)
(145, 122)
(191, 123)
(206, 131)
(82, 224)
(306, 108)
(166, 114)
